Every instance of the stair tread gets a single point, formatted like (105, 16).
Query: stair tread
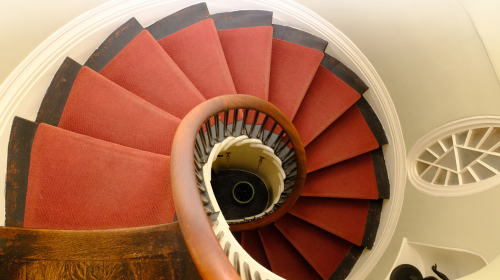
(327, 98)
(323, 250)
(248, 56)
(292, 69)
(179, 20)
(284, 259)
(347, 137)
(352, 178)
(57, 94)
(344, 73)
(21, 139)
(351, 217)
(80, 183)
(250, 241)
(299, 37)
(242, 19)
(143, 68)
(101, 109)
(198, 52)
(114, 44)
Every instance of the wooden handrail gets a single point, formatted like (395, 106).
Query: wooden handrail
(200, 239)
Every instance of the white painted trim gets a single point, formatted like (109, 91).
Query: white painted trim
(438, 134)
(23, 90)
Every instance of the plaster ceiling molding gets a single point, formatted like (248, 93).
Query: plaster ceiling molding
(23, 91)
(458, 158)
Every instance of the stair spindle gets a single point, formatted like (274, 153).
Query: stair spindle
(288, 162)
(255, 118)
(286, 156)
(226, 120)
(246, 271)
(227, 248)
(220, 235)
(209, 133)
(201, 188)
(209, 211)
(217, 130)
(289, 179)
(283, 147)
(203, 140)
(244, 123)
(205, 200)
(275, 144)
(270, 132)
(198, 151)
(291, 171)
(236, 261)
(235, 122)
(262, 127)
(198, 176)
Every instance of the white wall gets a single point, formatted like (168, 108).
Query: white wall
(429, 53)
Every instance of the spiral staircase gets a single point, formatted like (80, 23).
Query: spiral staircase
(100, 168)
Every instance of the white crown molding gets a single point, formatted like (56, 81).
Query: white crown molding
(23, 90)
(437, 134)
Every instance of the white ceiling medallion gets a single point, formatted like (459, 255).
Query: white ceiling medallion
(458, 158)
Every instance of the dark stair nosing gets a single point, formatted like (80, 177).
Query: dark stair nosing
(299, 37)
(344, 73)
(57, 94)
(179, 20)
(381, 176)
(372, 223)
(114, 44)
(347, 263)
(372, 121)
(18, 165)
(242, 19)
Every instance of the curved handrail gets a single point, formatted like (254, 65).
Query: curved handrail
(205, 250)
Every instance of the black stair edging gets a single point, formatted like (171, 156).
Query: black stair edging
(114, 44)
(347, 263)
(179, 20)
(372, 223)
(21, 139)
(242, 19)
(372, 121)
(57, 94)
(299, 37)
(381, 176)
(344, 73)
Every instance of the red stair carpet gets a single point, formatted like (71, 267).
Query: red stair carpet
(81, 183)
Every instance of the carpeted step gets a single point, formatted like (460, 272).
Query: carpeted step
(284, 259)
(250, 241)
(327, 98)
(190, 38)
(323, 250)
(361, 177)
(136, 62)
(82, 101)
(296, 56)
(246, 38)
(344, 73)
(356, 132)
(355, 220)
(76, 182)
